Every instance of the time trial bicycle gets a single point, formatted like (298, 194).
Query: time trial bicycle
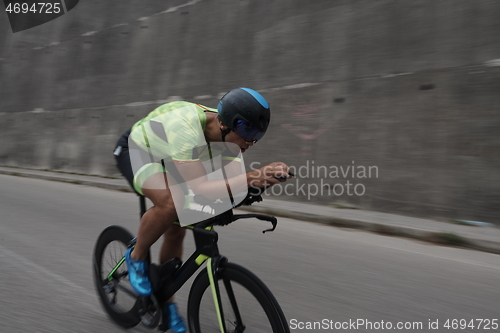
(224, 297)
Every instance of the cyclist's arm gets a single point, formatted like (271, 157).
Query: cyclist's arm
(194, 174)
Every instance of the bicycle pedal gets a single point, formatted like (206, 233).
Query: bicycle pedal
(145, 304)
(150, 312)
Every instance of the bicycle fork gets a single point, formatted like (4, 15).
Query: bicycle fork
(214, 268)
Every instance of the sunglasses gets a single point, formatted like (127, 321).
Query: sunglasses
(248, 131)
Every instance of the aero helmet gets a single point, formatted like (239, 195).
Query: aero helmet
(245, 112)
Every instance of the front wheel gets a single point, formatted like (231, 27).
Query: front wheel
(247, 305)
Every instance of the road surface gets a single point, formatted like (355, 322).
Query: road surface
(324, 277)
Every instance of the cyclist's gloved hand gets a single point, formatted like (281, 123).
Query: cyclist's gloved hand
(269, 175)
(290, 174)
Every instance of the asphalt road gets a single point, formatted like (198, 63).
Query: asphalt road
(318, 273)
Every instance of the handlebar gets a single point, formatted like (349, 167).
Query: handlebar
(271, 219)
(227, 217)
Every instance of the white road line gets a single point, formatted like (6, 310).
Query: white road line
(341, 237)
(434, 256)
(30, 267)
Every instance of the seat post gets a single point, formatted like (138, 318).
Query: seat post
(142, 201)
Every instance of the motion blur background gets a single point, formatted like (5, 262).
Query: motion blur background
(410, 87)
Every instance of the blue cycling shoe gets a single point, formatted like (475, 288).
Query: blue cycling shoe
(173, 319)
(138, 275)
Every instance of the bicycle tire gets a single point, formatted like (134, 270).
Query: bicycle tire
(114, 240)
(258, 308)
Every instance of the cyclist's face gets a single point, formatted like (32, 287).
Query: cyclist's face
(237, 140)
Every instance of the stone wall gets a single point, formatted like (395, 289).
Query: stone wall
(409, 89)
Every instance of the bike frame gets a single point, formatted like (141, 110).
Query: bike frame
(206, 250)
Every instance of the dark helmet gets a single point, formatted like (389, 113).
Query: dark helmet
(246, 112)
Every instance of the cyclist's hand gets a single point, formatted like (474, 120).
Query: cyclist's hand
(278, 170)
(269, 175)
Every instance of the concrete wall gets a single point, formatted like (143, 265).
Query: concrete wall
(408, 87)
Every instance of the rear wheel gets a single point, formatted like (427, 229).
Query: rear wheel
(247, 304)
(114, 289)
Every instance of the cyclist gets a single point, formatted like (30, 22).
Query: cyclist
(240, 120)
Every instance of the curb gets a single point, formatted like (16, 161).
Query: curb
(439, 238)
(99, 184)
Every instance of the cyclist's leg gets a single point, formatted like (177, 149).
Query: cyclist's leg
(172, 246)
(160, 217)
(154, 223)
(159, 220)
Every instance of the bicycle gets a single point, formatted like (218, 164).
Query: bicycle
(224, 297)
